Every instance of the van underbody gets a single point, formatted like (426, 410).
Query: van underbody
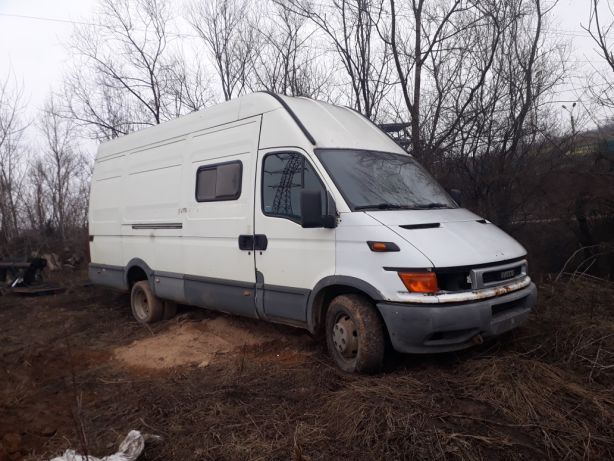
(447, 322)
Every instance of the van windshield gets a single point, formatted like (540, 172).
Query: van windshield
(371, 180)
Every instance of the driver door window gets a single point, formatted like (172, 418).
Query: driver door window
(284, 176)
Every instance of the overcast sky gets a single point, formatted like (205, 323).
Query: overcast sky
(32, 49)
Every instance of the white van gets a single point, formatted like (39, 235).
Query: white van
(304, 213)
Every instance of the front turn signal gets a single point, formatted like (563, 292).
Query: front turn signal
(420, 282)
(380, 247)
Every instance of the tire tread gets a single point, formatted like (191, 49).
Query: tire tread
(370, 328)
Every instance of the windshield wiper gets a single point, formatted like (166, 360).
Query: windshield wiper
(380, 206)
(394, 206)
(430, 206)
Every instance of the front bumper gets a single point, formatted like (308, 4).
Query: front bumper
(416, 328)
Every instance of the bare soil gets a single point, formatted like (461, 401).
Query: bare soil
(76, 371)
(190, 342)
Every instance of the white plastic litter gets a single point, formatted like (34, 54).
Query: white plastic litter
(129, 450)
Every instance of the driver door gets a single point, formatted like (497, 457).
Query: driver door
(290, 259)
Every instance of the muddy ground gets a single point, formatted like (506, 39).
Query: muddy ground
(77, 372)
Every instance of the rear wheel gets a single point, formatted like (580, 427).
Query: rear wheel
(355, 334)
(146, 307)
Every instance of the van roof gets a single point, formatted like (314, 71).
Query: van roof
(324, 125)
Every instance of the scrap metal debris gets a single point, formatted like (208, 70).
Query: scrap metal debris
(129, 450)
(26, 278)
(21, 274)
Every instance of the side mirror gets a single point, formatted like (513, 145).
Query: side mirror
(329, 220)
(456, 195)
(311, 210)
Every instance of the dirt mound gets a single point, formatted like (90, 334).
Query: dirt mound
(193, 343)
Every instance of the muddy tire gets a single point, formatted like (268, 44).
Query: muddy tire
(355, 334)
(170, 309)
(146, 308)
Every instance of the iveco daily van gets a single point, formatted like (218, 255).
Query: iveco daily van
(304, 213)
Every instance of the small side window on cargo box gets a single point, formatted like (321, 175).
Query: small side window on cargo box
(219, 182)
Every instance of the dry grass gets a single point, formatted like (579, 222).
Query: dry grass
(544, 392)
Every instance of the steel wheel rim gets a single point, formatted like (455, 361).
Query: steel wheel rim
(141, 306)
(345, 337)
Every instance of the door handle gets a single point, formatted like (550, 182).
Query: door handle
(257, 242)
(246, 242)
(260, 242)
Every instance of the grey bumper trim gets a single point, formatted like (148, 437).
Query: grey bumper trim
(415, 328)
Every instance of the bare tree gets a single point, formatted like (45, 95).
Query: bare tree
(351, 27)
(227, 32)
(122, 77)
(102, 110)
(38, 206)
(191, 88)
(601, 29)
(443, 52)
(287, 63)
(602, 32)
(61, 168)
(12, 151)
(504, 127)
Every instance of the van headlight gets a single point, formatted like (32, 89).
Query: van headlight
(420, 282)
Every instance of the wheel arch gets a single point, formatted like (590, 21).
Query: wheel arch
(137, 270)
(330, 287)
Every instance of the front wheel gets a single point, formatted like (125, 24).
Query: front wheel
(355, 334)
